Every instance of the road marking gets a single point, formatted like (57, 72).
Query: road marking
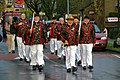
(116, 55)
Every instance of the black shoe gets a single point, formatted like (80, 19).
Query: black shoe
(52, 52)
(74, 69)
(64, 58)
(21, 59)
(40, 68)
(90, 68)
(13, 51)
(34, 67)
(69, 70)
(84, 67)
(56, 52)
(59, 58)
(9, 52)
(79, 63)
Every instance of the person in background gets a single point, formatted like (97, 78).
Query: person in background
(53, 36)
(21, 25)
(10, 37)
(60, 26)
(87, 41)
(78, 52)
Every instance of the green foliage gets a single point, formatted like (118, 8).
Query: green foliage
(113, 14)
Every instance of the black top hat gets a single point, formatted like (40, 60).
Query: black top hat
(36, 15)
(86, 17)
(54, 18)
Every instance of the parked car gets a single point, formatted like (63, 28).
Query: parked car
(101, 39)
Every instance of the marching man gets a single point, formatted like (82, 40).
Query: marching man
(70, 41)
(53, 36)
(36, 44)
(78, 55)
(21, 25)
(87, 40)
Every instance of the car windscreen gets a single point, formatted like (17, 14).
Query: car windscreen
(97, 30)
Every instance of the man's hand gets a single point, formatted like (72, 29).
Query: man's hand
(20, 23)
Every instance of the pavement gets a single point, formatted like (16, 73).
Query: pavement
(106, 67)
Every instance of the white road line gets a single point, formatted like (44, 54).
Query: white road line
(116, 55)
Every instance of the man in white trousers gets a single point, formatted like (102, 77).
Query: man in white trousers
(36, 44)
(60, 49)
(69, 37)
(21, 24)
(78, 52)
(87, 40)
(53, 36)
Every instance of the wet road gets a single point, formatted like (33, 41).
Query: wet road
(106, 67)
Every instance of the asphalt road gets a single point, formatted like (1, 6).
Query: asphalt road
(106, 67)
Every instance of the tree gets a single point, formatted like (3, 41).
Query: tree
(48, 7)
(34, 5)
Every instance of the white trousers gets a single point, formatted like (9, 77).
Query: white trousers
(11, 42)
(28, 52)
(70, 56)
(37, 54)
(78, 53)
(59, 48)
(21, 47)
(53, 44)
(86, 54)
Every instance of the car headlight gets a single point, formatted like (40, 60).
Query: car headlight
(103, 38)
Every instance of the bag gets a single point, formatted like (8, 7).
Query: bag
(13, 30)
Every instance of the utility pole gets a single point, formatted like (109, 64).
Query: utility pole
(118, 11)
(68, 7)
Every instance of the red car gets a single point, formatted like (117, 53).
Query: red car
(101, 39)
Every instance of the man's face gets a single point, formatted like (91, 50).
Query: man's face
(86, 20)
(23, 16)
(70, 21)
(10, 19)
(54, 20)
(76, 20)
(37, 19)
(61, 20)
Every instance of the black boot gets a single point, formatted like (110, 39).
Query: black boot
(74, 69)
(69, 70)
(90, 68)
(34, 67)
(79, 63)
(56, 52)
(84, 67)
(40, 68)
(13, 51)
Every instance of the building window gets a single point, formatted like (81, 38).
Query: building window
(10, 1)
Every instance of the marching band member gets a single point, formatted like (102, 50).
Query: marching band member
(36, 45)
(60, 51)
(21, 24)
(87, 40)
(78, 55)
(53, 36)
(70, 40)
